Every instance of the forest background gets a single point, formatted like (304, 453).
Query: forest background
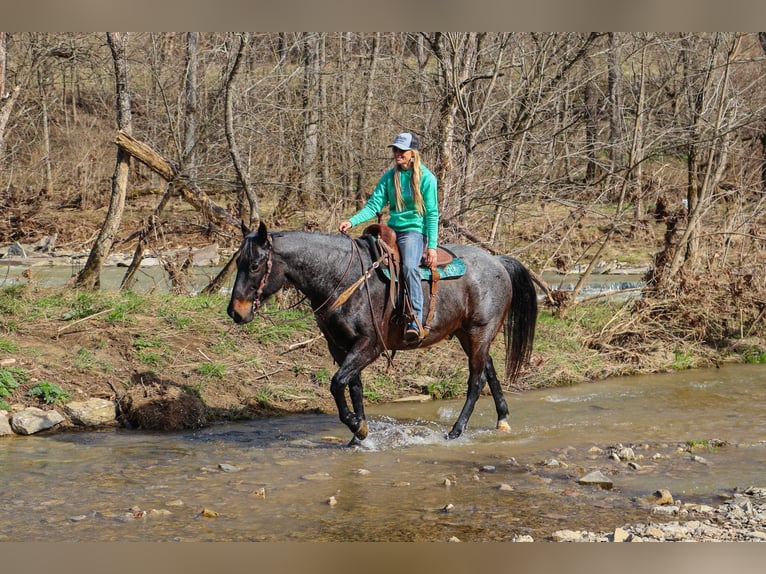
(574, 152)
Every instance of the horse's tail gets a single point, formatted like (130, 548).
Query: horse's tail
(520, 323)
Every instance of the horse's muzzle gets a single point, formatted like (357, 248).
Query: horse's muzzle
(241, 311)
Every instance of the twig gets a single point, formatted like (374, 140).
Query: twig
(302, 344)
(267, 375)
(105, 311)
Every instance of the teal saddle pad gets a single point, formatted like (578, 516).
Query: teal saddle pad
(455, 268)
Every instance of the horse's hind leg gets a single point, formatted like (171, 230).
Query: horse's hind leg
(497, 394)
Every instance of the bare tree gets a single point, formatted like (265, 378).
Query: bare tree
(90, 276)
(7, 100)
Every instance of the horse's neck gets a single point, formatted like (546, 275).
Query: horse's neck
(315, 263)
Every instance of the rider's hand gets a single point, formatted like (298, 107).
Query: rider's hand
(344, 226)
(430, 257)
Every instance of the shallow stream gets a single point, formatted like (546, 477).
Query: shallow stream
(292, 478)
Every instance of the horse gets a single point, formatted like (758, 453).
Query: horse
(494, 292)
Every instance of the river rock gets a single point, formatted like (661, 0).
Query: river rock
(596, 478)
(93, 412)
(5, 425)
(662, 496)
(33, 420)
(621, 535)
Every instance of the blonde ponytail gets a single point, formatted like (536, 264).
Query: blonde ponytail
(417, 197)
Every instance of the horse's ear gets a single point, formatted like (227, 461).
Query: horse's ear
(263, 234)
(245, 229)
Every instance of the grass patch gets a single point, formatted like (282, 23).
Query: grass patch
(8, 346)
(10, 379)
(212, 370)
(49, 393)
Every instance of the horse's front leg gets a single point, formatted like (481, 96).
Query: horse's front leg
(349, 375)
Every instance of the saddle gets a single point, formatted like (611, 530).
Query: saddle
(388, 237)
(387, 241)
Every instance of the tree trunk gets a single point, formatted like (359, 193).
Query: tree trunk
(90, 276)
(41, 81)
(310, 152)
(188, 158)
(590, 111)
(614, 86)
(359, 192)
(253, 215)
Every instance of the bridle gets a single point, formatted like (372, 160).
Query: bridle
(257, 301)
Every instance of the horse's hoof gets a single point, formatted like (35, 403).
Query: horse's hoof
(503, 426)
(361, 432)
(453, 434)
(354, 442)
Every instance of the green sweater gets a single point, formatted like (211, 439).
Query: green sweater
(408, 219)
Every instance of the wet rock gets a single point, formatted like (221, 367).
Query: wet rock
(5, 424)
(505, 487)
(228, 467)
(93, 412)
(362, 472)
(487, 468)
(665, 510)
(596, 478)
(454, 539)
(569, 536)
(699, 459)
(621, 535)
(626, 454)
(332, 501)
(523, 538)
(33, 420)
(449, 507)
(661, 497)
(756, 491)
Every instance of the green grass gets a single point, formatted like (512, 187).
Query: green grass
(10, 379)
(8, 346)
(212, 370)
(49, 393)
(12, 299)
(279, 325)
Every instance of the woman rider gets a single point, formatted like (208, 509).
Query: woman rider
(409, 189)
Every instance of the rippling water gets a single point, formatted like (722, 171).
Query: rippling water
(291, 479)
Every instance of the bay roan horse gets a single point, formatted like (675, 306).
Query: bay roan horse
(495, 291)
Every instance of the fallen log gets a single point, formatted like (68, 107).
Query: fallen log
(169, 171)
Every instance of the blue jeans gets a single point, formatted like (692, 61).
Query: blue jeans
(411, 245)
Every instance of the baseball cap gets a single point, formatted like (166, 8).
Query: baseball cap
(405, 141)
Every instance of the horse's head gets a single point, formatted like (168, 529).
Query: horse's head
(253, 273)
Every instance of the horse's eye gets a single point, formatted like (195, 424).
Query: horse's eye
(255, 267)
